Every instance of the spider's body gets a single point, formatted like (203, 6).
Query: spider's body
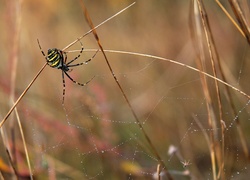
(57, 58)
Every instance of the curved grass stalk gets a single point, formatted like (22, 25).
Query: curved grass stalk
(171, 61)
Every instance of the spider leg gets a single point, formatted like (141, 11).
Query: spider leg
(76, 81)
(63, 86)
(41, 48)
(76, 56)
(66, 57)
(85, 62)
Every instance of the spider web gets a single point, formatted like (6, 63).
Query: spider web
(95, 135)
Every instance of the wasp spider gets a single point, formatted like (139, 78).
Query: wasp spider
(57, 58)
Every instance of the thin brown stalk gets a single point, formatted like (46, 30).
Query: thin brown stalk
(240, 18)
(212, 50)
(24, 144)
(88, 19)
(12, 164)
(220, 172)
(230, 17)
(14, 59)
(199, 17)
(213, 57)
(7, 147)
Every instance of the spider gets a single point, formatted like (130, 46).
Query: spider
(57, 58)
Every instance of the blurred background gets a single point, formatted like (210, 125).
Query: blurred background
(96, 136)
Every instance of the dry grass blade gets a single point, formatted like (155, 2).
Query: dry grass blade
(214, 57)
(177, 63)
(12, 164)
(197, 27)
(24, 143)
(230, 17)
(7, 147)
(14, 58)
(122, 91)
(241, 18)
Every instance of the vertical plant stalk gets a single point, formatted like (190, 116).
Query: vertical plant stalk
(14, 34)
(221, 169)
(213, 57)
(196, 33)
(11, 163)
(24, 143)
(14, 57)
(88, 19)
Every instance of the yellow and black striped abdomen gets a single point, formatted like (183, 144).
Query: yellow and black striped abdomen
(55, 58)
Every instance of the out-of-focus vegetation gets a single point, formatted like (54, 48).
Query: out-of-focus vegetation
(95, 136)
